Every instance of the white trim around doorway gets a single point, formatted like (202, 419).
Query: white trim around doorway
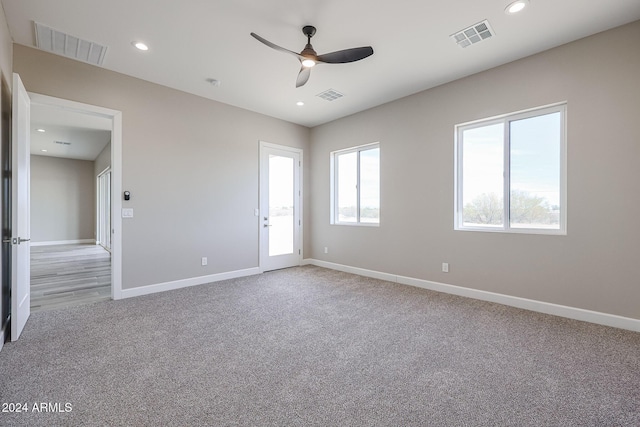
(265, 145)
(116, 175)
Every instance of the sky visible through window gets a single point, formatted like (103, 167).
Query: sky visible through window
(535, 158)
(370, 179)
(369, 185)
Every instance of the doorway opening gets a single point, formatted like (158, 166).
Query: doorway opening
(75, 168)
(280, 206)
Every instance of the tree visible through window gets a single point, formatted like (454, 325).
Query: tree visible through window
(510, 172)
(356, 185)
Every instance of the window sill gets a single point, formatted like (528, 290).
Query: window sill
(540, 231)
(356, 224)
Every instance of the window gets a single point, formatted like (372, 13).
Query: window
(355, 185)
(510, 173)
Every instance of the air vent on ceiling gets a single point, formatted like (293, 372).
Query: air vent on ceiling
(473, 34)
(67, 45)
(330, 95)
(62, 142)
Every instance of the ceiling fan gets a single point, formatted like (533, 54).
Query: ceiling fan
(308, 57)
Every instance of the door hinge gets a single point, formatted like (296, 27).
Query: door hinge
(299, 252)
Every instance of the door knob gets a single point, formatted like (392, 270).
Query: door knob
(20, 240)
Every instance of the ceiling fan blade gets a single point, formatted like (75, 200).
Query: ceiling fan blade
(347, 55)
(303, 76)
(275, 46)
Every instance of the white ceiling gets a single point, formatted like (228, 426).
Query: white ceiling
(84, 136)
(192, 40)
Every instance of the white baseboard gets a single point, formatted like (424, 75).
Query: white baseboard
(64, 242)
(524, 303)
(184, 283)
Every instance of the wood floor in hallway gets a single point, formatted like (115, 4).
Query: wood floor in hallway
(69, 275)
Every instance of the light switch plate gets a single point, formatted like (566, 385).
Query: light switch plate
(127, 212)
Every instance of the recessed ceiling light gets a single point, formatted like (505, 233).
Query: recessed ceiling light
(299, 103)
(140, 46)
(44, 151)
(40, 130)
(516, 7)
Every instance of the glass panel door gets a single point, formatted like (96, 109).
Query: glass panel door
(281, 201)
(280, 219)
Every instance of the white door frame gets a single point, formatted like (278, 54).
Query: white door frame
(116, 175)
(299, 152)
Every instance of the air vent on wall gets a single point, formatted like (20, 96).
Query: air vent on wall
(62, 142)
(473, 34)
(67, 45)
(330, 95)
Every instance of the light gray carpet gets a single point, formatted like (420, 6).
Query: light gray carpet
(314, 347)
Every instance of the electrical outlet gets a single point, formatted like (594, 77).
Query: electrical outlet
(445, 267)
(326, 250)
(204, 260)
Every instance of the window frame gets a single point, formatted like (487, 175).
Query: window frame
(334, 214)
(506, 119)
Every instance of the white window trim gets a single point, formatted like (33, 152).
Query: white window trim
(333, 219)
(506, 118)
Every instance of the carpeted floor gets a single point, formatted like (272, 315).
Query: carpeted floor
(314, 347)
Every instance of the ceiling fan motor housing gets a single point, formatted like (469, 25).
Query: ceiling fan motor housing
(309, 30)
(309, 52)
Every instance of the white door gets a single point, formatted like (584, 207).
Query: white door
(20, 212)
(280, 207)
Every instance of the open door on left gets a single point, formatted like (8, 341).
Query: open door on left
(20, 210)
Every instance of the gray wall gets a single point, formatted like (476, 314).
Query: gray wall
(103, 160)
(191, 165)
(6, 49)
(594, 267)
(62, 199)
